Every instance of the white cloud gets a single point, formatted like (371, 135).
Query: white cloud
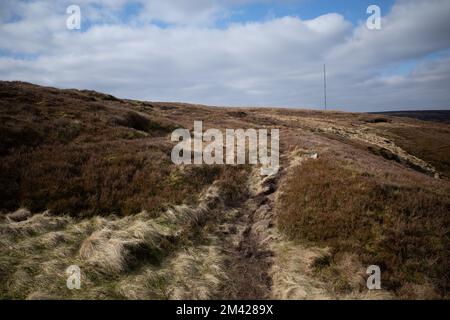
(274, 62)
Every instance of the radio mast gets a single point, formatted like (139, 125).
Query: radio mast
(325, 85)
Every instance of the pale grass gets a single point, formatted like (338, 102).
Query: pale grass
(36, 252)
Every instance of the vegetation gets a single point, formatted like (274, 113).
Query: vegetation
(69, 154)
(401, 228)
(432, 144)
(86, 179)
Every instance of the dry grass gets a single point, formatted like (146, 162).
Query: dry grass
(292, 274)
(403, 229)
(137, 257)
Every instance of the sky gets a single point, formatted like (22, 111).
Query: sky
(236, 52)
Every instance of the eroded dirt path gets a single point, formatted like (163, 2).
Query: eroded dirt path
(242, 232)
(260, 262)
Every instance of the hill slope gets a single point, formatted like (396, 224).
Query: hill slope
(97, 188)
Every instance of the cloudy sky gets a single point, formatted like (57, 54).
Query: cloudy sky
(236, 52)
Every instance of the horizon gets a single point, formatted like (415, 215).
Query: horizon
(300, 108)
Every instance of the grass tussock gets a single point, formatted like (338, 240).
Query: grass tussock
(194, 273)
(291, 273)
(136, 256)
(403, 229)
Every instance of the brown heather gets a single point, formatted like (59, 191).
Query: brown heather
(401, 228)
(71, 154)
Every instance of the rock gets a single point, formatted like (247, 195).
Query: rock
(19, 215)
